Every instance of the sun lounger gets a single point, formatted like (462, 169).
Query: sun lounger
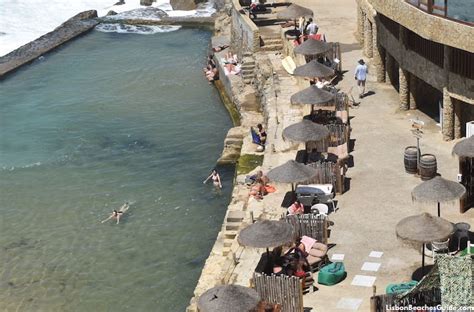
(288, 64)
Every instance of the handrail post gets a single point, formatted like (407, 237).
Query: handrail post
(445, 8)
(430, 6)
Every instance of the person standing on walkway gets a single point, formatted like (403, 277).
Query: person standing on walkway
(311, 28)
(361, 72)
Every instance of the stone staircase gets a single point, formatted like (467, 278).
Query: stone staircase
(232, 225)
(271, 42)
(248, 66)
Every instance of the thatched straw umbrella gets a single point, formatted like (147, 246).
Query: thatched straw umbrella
(313, 69)
(313, 96)
(438, 190)
(465, 148)
(228, 298)
(266, 234)
(424, 228)
(313, 47)
(305, 131)
(291, 172)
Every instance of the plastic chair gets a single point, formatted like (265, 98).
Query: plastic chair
(320, 209)
(440, 247)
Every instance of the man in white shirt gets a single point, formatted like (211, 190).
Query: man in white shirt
(312, 28)
(361, 72)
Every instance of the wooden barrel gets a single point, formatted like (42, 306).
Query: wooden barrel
(410, 159)
(428, 166)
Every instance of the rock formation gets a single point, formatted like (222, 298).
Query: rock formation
(184, 4)
(146, 2)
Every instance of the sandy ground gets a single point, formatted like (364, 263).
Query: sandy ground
(380, 190)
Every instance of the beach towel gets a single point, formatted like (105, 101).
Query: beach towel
(255, 137)
(270, 189)
(308, 242)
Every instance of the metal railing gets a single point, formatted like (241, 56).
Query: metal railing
(456, 10)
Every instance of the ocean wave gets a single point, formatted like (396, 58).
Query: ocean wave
(11, 168)
(149, 13)
(136, 29)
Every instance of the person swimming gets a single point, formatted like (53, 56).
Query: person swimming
(117, 214)
(216, 179)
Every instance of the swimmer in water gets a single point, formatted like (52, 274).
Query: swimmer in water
(117, 214)
(216, 179)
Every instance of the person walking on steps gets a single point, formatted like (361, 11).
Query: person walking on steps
(361, 72)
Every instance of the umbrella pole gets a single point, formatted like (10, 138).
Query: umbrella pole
(423, 261)
(439, 210)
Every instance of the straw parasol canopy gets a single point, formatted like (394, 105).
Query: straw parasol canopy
(424, 228)
(313, 69)
(312, 96)
(305, 131)
(294, 12)
(291, 172)
(438, 190)
(465, 148)
(266, 234)
(228, 298)
(313, 47)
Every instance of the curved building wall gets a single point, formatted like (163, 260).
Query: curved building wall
(428, 59)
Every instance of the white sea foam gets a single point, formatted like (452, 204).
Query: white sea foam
(136, 29)
(22, 21)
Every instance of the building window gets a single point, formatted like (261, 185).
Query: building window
(462, 63)
(430, 50)
(392, 26)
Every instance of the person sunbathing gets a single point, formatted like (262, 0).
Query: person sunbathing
(296, 208)
(258, 190)
(220, 48)
(117, 214)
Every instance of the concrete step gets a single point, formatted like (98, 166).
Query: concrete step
(235, 216)
(230, 234)
(228, 243)
(270, 37)
(272, 47)
(232, 226)
(247, 54)
(248, 64)
(247, 72)
(272, 41)
(225, 251)
(247, 67)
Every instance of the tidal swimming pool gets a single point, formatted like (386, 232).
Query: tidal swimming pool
(109, 118)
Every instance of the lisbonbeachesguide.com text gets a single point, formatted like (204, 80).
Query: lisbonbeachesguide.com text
(428, 308)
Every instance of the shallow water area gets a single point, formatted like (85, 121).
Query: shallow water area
(106, 119)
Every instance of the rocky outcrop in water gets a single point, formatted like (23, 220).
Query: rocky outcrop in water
(73, 27)
(146, 2)
(185, 4)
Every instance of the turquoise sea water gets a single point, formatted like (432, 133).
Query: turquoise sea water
(106, 119)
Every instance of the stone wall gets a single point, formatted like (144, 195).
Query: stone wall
(75, 26)
(245, 36)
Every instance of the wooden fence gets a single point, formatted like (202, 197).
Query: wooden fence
(330, 173)
(309, 225)
(281, 289)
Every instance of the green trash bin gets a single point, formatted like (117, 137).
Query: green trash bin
(332, 274)
(400, 288)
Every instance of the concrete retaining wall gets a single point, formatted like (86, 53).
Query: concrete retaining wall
(76, 26)
(245, 36)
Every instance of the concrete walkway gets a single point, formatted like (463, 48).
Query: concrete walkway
(380, 190)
